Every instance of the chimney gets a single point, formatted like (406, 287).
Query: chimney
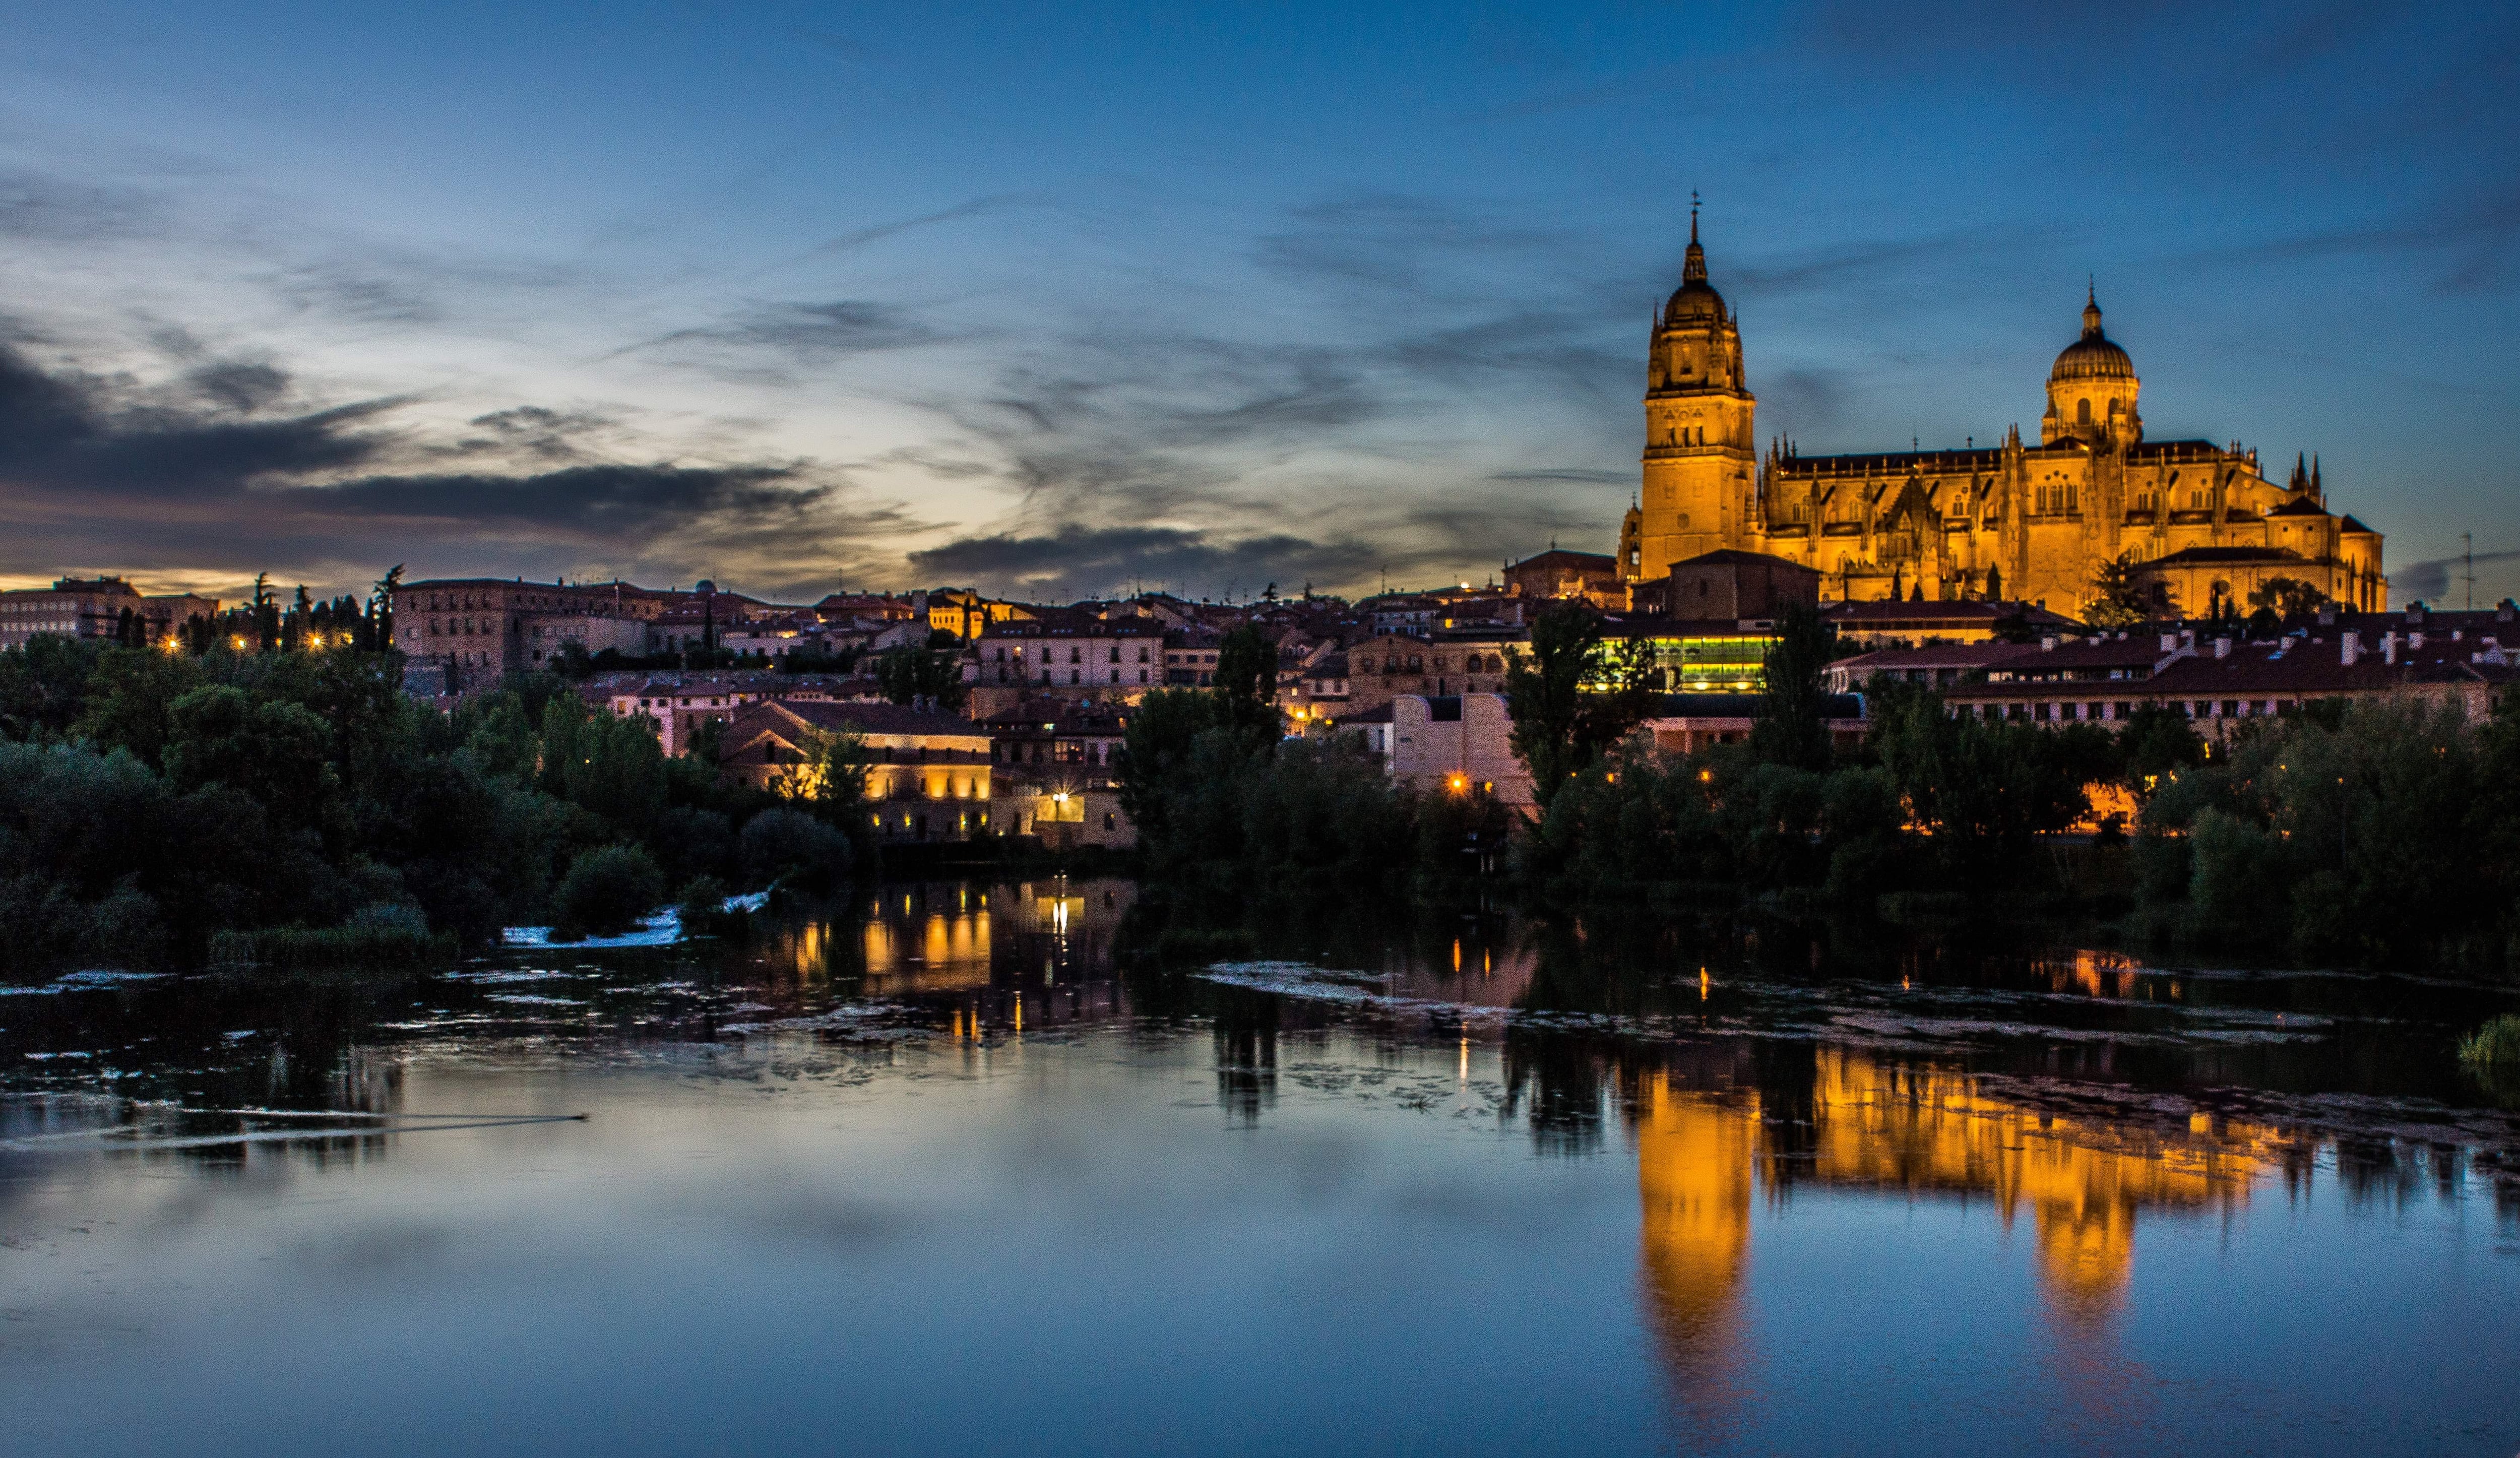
(2047, 644)
(2414, 640)
(2222, 647)
(2389, 647)
(2327, 614)
(2170, 643)
(2350, 647)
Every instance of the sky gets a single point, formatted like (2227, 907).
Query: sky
(1058, 301)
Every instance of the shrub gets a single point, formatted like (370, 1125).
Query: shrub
(607, 889)
(380, 937)
(701, 907)
(791, 843)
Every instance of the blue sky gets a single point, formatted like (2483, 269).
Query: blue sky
(1054, 300)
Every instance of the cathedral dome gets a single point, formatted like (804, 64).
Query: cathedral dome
(1695, 302)
(2092, 356)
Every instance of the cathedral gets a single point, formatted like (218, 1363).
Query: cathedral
(2199, 523)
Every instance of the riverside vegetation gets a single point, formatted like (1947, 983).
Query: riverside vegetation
(2377, 834)
(170, 805)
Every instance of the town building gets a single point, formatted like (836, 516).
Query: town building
(108, 609)
(926, 774)
(1449, 744)
(1078, 656)
(675, 706)
(1749, 588)
(2009, 519)
(1584, 577)
(469, 632)
(2222, 683)
(1936, 666)
(1685, 724)
(1908, 623)
(1440, 664)
(1057, 774)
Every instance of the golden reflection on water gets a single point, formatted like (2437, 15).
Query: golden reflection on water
(1914, 1129)
(943, 938)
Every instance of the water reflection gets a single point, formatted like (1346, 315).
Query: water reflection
(921, 1070)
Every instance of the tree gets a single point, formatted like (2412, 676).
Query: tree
(1156, 755)
(2287, 597)
(1792, 726)
(831, 778)
(265, 613)
(273, 750)
(1246, 680)
(381, 619)
(2118, 598)
(933, 671)
(130, 698)
(1572, 696)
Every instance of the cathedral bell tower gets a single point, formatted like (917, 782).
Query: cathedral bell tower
(1699, 458)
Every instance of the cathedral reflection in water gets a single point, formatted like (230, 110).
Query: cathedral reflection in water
(1704, 1153)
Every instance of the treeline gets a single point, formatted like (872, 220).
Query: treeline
(2385, 832)
(152, 800)
(1226, 806)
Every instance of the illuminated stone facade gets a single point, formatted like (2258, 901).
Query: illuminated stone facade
(2016, 520)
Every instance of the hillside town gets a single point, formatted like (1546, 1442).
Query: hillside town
(1027, 742)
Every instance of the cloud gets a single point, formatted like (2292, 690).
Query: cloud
(38, 206)
(2431, 580)
(187, 482)
(801, 333)
(1080, 561)
(1565, 473)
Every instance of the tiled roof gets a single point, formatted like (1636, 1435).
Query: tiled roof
(868, 718)
(2227, 556)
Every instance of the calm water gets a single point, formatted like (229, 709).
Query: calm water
(925, 1176)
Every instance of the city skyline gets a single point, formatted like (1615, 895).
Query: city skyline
(806, 299)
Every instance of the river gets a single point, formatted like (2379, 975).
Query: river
(929, 1173)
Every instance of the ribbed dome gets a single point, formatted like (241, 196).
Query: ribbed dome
(1694, 302)
(2092, 356)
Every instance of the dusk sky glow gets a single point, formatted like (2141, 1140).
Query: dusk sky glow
(1055, 301)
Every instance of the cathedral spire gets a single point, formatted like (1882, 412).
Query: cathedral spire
(1693, 271)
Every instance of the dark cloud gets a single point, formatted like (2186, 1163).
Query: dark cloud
(2431, 580)
(1081, 562)
(533, 432)
(105, 473)
(238, 386)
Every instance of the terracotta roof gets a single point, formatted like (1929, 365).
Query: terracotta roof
(1923, 615)
(1734, 556)
(867, 719)
(2227, 556)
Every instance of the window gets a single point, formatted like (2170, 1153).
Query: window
(2083, 412)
